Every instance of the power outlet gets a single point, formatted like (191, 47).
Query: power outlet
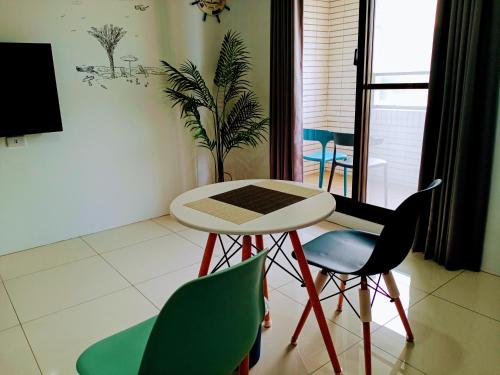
(19, 141)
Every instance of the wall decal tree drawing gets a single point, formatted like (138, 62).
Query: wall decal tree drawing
(108, 36)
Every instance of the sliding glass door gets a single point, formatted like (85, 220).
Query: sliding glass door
(366, 73)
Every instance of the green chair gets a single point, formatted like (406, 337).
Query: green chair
(207, 327)
(324, 137)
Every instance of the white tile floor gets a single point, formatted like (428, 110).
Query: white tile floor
(56, 300)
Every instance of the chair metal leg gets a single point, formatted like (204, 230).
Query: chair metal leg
(313, 297)
(345, 181)
(259, 243)
(321, 173)
(207, 255)
(366, 317)
(245, 366)
(319, 283)
(343, 277)
(330, 179)
(385, 185)
(394, 293)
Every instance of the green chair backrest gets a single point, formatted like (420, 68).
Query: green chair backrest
(318, 135)
(209, 324)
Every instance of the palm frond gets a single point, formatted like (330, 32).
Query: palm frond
(188, 80)
(233, 65)
(244, 125)
(246, 108)
(251, 134)
(193, 123)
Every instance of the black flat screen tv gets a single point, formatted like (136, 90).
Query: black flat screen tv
(29, 103)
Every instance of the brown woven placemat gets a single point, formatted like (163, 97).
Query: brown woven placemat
(257, 199)
(252, 201)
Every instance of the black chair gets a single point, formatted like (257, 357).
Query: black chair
(365, 255)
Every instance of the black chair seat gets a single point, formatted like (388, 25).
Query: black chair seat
(341, 251)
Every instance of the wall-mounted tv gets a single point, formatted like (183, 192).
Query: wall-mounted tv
(29, 102)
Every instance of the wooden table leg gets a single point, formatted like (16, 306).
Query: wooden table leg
(259, 243)
(207, 255)
(313, 297)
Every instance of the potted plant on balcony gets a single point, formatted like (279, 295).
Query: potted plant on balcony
(233, 109)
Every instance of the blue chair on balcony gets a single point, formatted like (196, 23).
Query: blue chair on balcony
(324, 137)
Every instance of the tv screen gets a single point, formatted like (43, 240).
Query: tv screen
(30, 104)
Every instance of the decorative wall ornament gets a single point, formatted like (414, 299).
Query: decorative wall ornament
(211, 8)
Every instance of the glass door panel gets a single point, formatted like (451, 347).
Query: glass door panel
(329, 84)
(397, 92)
(395, 145)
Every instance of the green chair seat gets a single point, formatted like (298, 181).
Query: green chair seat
(120, 354)
(318, 156)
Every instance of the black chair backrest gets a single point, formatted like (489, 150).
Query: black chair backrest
(398, 234)
(343, 139)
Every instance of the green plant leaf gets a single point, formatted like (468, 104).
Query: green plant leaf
(244, 125)
(237, 116)
(188, 80)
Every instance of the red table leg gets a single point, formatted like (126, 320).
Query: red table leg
(259, 243)
(246, 254)
(207, 255)
(244, 366)
(313, 297)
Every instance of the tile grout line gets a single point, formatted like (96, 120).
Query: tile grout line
(447, 282)
(22, 329)
(465, 308)
(456, 304)
(166, 273)
(86, 257)
(174, 231)
(328, 320)
(85, 235)
(125, 246)
(339, 352)
(75, 305)
(154, 277)
(52, 267)
(399, 359)
(131, 284)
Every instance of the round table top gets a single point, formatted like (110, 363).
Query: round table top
(296, 216)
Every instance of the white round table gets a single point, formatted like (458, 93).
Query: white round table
(296, 216)
(285, 220)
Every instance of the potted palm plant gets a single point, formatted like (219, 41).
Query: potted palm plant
(233, 108)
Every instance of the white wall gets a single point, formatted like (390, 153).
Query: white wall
(491, 255)
(123, 154)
